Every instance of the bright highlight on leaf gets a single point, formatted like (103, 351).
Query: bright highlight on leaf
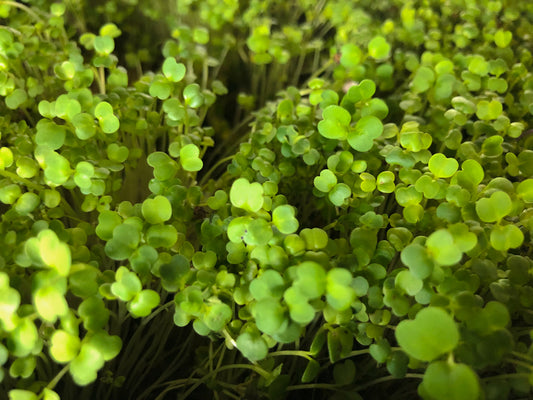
(442, 166)
(107, 120)
(157, 210)
(246, 195)
(173, 70)
(378, 48)
(284, 219)
(189, 158)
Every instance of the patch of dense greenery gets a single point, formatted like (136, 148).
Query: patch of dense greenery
(266, 199)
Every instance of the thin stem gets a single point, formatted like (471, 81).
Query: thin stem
(101, 81)
(507, 376)
(57, 378)
(520, 363)
(356, 353)
(319, 71)
(22, 7)
(523, 356)
(213, 168)
(12, 30)
(27, 182)
(385, 379)
(297, 353)
(327, 386)
(221, 61)
(205, 74)
(160, 309)
(206, 377)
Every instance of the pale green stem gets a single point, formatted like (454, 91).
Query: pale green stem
(206, 377)
(57, 378)
(297, 353)
(213, 168)
(22, 7)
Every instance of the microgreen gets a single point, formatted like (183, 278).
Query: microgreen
(431, 334)
(287, 188)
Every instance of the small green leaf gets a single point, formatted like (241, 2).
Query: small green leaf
(20, 394)
(283, 218)
(269, 316)
(339, 194)
(49, 134)
(409, 283)
(442, 166)
(64, 346)
(416, 257)
(432, 333)
(525, 190)
(350, 56)
(506, 237)
(117, 153)
(53, 252)
(16, 98)
(160, 88)
(385, 182)
(104, 45)
(268, 285)
(423, 80)
(252, 346)
(478, 65)
(127, 284)
(325, 181)
(50, 303)
(444, 380)
(110, 30)
(495, 207)
(378, 48)
(489, 110)
(442, 248)
(246, 195)
(217, 316)
(361, 138)
(157, 210)
(503, 38)
(86, 364)
(189, 158)
(84, 125)
(143, 303)
(315, 238)
(311, 279)
(173, 70)
(107, 120)
(339, 292)
(335, 122)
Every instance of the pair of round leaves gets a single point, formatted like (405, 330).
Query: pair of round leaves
(442, 166)
(246, 195)
(432, 333)
(9, 302)
(128, 287)
(107, 120)
(47, 250)
(336, 125)
(156, 210)
(444, 380)
(446, 246)
(189, 158)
